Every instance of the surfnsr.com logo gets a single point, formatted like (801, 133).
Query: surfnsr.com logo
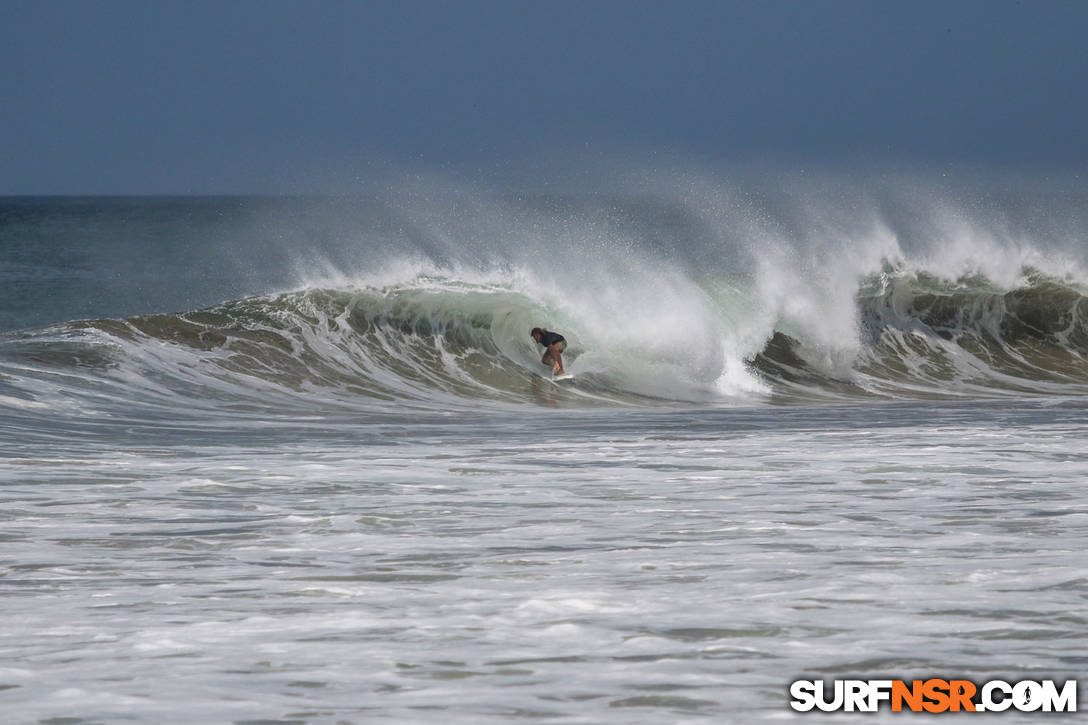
(934, 695)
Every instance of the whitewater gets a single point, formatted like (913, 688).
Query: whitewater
(297, 460)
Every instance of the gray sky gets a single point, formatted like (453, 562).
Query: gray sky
(119, 96)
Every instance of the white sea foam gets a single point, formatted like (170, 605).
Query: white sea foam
(586, 565)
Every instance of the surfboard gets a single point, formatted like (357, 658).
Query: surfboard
(565, 376)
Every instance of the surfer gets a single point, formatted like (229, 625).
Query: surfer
(554, 345)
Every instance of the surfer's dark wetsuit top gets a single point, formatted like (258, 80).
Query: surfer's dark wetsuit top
(548, 339)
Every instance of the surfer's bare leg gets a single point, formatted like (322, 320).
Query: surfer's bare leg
(556, 357)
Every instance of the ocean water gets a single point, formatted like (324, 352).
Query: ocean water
(296, 460)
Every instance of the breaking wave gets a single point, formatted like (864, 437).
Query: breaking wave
(440, 342)
(675, 290)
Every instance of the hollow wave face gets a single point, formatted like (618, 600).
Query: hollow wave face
(431, 343)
